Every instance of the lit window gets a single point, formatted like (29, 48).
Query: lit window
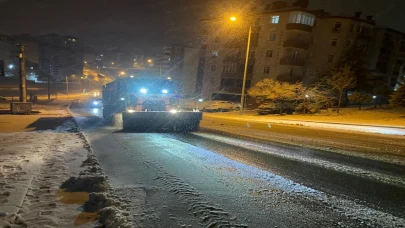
(266, 70)
(301, 18)
(215, 53)
(275, 19)
(269, 53)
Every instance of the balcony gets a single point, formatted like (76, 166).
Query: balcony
(292, 62)
(296, 44)
(300, 27)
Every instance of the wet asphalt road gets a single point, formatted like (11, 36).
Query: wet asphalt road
(208, 178)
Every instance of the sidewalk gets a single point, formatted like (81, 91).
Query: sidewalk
(375, 121)
(37, 153)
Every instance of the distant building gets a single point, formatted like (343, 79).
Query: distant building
(8, 56)
(180, 64)
(387, 58)
(61, 56)
(89, 55)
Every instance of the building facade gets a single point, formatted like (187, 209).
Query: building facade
(387, 58)
(293, 44)
(8, 56)
(60, 56)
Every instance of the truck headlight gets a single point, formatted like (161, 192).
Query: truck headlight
(130, 110)
(95, 102)
(143, 90)
(173, 111)
(165, 91)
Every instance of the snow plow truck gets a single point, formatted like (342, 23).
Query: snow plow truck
(147, 104)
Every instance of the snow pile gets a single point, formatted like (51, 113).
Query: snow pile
(85, 183)
(99, 201)
(101, 197)
(112, 217)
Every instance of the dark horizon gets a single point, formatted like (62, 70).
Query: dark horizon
(118, 23)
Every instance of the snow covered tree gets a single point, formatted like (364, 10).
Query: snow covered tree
(398, 97)
(360, 98)
(279, 92)
(340, 81)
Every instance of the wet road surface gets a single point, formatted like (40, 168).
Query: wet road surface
(212, 178)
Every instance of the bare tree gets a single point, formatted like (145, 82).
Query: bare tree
(360, 98)
(340, 81)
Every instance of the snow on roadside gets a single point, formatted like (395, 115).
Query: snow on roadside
(32, 166)
(398, 181)
(388, 130)
(335, 146)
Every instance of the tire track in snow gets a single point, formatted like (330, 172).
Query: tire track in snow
(210, 215)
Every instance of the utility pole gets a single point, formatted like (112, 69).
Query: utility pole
(23, 84)
(242, 97)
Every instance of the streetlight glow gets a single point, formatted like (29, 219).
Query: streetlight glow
(122, 73)
(149, 60)
(233, 18)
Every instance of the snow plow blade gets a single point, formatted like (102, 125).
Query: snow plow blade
(158, 121)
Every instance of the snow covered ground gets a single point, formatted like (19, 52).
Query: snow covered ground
(373, 121)
(40, 155)
(32, 167)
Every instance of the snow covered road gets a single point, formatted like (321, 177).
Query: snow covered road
(208, 180)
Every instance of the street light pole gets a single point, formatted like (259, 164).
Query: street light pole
(242, 98)
(23, 83)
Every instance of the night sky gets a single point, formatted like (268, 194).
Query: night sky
(144, 24)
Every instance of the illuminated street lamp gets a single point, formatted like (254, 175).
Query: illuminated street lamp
(149, 60)
(122, 73)
(198, 102)
(242, 98)
(169, 78)
(131, 76)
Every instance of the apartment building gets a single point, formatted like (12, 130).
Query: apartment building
(180, 64)
(60, 56)
(387, 58)
(291, 43)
